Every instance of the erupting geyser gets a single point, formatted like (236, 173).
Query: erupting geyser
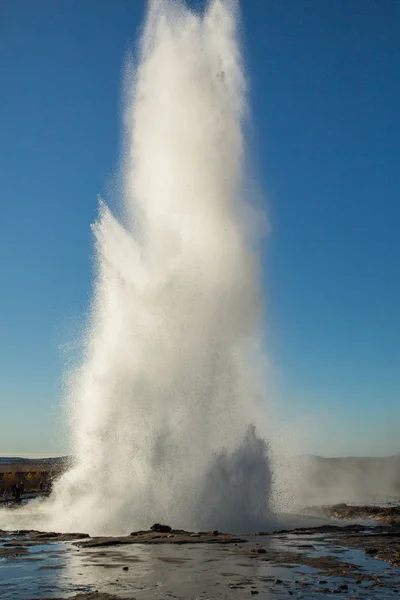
(163, 405)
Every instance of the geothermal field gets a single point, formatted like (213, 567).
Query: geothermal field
(169, 411)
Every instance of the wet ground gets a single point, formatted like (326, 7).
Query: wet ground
(388, 513)
(310, 563)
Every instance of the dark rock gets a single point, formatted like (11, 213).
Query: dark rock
(253, 592)
(371, 550)
(50, 536)
(23, 532)
(216, 532)
(16, 551)
(277, 581)
(161, 528)
(90, 596)
(125, 568)
(384, 514)
(155, 537)
(96, 596)
(258, 550)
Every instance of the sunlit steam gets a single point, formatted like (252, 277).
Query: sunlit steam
(163, 405)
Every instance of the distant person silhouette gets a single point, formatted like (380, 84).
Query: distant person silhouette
(18, 492)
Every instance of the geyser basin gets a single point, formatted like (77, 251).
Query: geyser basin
(163, 404)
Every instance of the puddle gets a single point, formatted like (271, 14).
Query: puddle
(213, 572)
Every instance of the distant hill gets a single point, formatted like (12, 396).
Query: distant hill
(9, 460)
(19, 464)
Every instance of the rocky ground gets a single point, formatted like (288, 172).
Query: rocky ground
(17, 542)
(382, 543)
(90, 596)
(382, 514)
(355, 560)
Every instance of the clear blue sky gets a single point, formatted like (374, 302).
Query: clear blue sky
(325, 139)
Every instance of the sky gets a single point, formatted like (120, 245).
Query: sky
(324, 141)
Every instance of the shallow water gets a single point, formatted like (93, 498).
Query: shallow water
(190, 571)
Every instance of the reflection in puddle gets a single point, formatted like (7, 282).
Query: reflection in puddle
(202, 571)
